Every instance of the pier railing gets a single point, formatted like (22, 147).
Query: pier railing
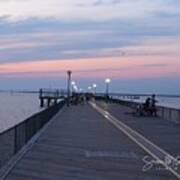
(51, 96)
(55, 93)
(12, 140)
(166, 113)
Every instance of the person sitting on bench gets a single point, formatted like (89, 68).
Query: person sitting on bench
(146, 106)
(153, 105)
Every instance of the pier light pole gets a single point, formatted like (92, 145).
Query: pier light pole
(75, 88)
(89, 89)
(107, 81)
(69, 73)
(94, 86)
(73, 84)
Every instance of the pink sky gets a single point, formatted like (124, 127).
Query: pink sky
(123, 67)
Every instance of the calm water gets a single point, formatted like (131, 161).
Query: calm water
(16, 107)
(167, 102)
(162, 101)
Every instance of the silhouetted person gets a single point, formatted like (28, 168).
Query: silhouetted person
(147, 104)
(153, 105)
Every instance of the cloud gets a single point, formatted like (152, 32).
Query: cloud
(124, 67)
(46, 35)
(100, 3)
(88, 10)
(126, 38)
(155, 65)
(38, 39)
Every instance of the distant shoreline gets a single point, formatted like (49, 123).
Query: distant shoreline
(19, 91)
(143, 95)
(101, 93)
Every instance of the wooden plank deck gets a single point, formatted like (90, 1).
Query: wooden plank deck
(164, 133)
(80, 144)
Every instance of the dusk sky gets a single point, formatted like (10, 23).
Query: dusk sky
(136, 43)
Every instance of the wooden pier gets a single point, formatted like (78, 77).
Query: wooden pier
(100, 141)
(50, 96)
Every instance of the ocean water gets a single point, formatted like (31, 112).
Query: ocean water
(166, 102)
(171, 102)
(16, 107)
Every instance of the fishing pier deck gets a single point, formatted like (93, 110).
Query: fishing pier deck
(100, 141)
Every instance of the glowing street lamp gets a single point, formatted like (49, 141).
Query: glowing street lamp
(94, 87)
(107, 81)
(73, 83)
(75, 88)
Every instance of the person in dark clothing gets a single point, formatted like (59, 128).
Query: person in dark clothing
(147, 104)
(143, 109)
(153, 105)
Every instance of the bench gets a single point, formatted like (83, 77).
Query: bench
(141, 110)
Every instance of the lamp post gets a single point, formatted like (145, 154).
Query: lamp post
(69, 73)
(75, 88)
(94, 86)
(81, 90)
(73, 84)
(89, 88)
(107, 81)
